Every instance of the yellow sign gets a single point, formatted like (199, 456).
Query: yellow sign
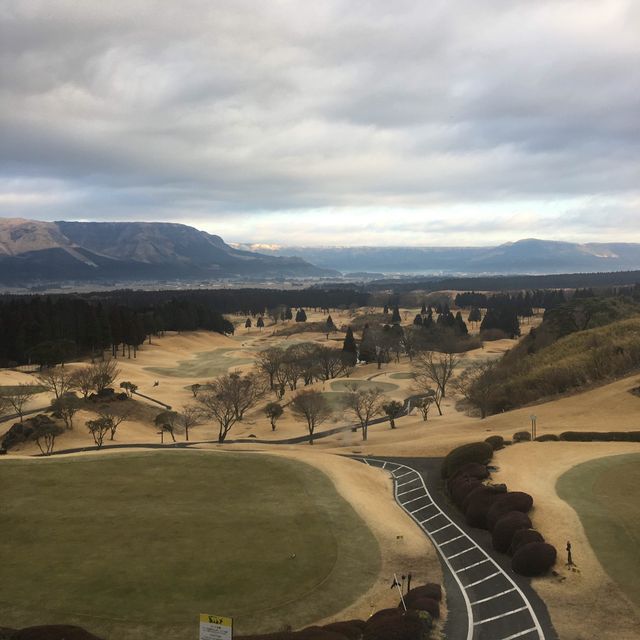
(215, 627)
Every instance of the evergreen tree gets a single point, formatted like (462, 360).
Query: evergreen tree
(423, 311)
(260, 323)
(386, 309)
(349, 348)
(301, 316)
(418, 320)
(460, 326)
(288, 314)
(395, 317)
(247, 324)
(475, 315)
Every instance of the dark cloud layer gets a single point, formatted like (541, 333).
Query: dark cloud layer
(258, 111)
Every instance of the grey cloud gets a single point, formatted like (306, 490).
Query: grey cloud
(182, 110)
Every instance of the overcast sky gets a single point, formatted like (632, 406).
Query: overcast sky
(332, 122)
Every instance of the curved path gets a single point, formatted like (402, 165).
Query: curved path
(496, 606)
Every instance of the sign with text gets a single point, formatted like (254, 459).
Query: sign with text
(215, 627)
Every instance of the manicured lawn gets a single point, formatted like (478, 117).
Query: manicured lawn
(136, 545)
(606, 494)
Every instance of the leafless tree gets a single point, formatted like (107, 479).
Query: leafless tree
(57, 380)
(436, 368)
(313, 407)
(269, 362)
(217, 405)
(365, 405)
(424, 404)
(189, 417)
(98, 428)
(195, 389)
(84, 380)
(273, 411)
(167, 421)
(17, 397)
(113, 419)
(46, 435)
(330, 362)
(66, 408)
(477, 384)
(104, 374)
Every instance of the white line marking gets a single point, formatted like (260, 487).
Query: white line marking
(402, 484)
(426, 506)
(404, 493)
(431, 518)
(493, 575)
(404, 504)
(446, 526)
(384, 465)
(494, 596)
(403, 475)
(452, 540)
(520, 634)
(502, 615)
(455, 555)
(470, 566)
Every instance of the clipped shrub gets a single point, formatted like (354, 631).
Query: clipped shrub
(472, 470)
(601, 436)
(548, 437)
(479, 452)
(409, 625)
(350, 629)
(432, 607)
(522, 436)
(478, 502)
(53, 632)
(506, 527)
(461, 487)
(428, 590)
(510, 501)
(496, 442)
(534, 559)
(522, 537)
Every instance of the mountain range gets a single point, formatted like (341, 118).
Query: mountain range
(35, 252)
(528, 256)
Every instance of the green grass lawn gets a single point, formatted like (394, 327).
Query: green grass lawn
(135, 546)
(606, 494)
(206, 364)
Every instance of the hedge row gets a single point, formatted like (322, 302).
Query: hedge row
(494, 508)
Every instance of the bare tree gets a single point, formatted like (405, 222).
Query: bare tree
(98, 428)
(46, 435)
(190, 417)
(313, 407)
(57, 380)
(436, 368)
(365, 405)
(167, 421)
(104, 374)
(195, 389)
(113, 419)
(269, 362)
(424, 404)
(273, 411)
(244, 391)
(66, 408)
(83, 380)
(477, 384)
(17, 397)
(217, 404)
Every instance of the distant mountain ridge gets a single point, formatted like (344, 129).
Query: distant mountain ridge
(529, 256)
(32, 251)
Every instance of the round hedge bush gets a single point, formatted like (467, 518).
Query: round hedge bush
(461, 487)
(472, 470)
(496, 442)
(428, 590)
(506, 528)
(510, 501)
(534, 559)
(432, 607)
(480, 452)
(409, 625)
(524, 536)
(350, 629)
(478, 502)
(53, 632)
(522, 436)
(548, 437)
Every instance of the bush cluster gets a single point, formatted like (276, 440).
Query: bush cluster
(25, 431)
(478, 452)
(601, 436)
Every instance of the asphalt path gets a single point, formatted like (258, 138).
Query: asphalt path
(485, 598)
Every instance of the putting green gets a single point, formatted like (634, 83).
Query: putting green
(206, 364)
(345, 385)
(606, 495)
(135, 546)
(402, 375)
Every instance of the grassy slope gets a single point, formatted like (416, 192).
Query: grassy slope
(137, 545)
(605, 494)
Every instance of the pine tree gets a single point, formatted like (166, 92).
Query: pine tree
(395, 317)
(288, 314)
(460, 326)
(260, 323)
(301, 316)
(386, 309)
(418, 320)
(247, 324)
(423, 311)
(349, 348)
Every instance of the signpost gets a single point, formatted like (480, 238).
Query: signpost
(215, 627)
(534, 427)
